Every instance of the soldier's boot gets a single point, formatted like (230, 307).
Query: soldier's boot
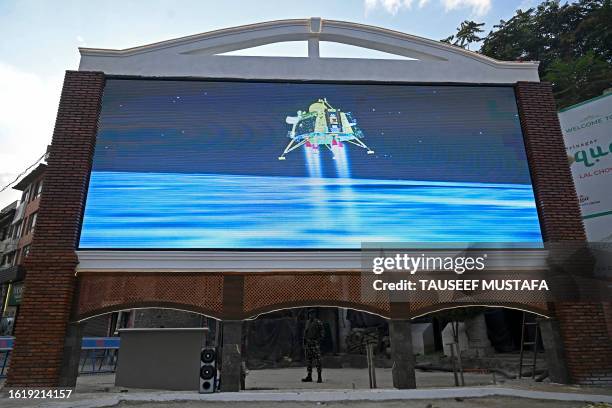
(319, 378)
(308, 377)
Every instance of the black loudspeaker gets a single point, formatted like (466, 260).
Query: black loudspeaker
(208, 370)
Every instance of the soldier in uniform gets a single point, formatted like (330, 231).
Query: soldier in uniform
(313, 334)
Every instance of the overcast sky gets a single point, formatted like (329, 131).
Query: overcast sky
(40, 41)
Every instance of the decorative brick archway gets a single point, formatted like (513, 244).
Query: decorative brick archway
(205, 293)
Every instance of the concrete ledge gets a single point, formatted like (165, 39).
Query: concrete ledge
(113, 261)
(333, 395)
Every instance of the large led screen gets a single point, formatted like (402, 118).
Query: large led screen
(267, 165)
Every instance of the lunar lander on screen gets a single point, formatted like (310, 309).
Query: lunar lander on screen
(323, 125)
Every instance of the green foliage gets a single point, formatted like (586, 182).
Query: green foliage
(572, 41)
(448, 39)
(467, 33)
(580, 79)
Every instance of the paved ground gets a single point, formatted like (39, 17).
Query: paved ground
(288, 379)
(282, 388)
(351, 378)
(499, 402)
(467, 398)
(341, 378)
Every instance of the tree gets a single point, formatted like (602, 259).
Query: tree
(577, 80)
(467, 33)
(571, 41)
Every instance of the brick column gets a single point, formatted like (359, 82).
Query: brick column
(400, 337)
(231, 347)
(50, 282)
(554, 351)
(231, 356)
(586, 343)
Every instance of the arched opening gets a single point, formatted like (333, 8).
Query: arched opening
(276, 49)
(504, 344)
(278, 351)
(484, 348)
(108, 323)
(465, 345)
(102, 342)
(327, 49)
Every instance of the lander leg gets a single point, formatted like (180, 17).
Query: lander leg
(358, 142)
(290, 147)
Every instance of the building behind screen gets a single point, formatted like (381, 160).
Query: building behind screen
(17, 223)
(75, 284)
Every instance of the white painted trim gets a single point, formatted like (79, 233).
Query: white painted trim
(215, 261)
(331, 32)
(163, 329)
(196, 56)
(245, 261)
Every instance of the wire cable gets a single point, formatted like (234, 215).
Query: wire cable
(23, 172)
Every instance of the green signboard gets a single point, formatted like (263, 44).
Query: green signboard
(15, 294)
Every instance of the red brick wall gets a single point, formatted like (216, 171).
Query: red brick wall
(588, 347)
(50, 281)
(553, 185)
(112, 291)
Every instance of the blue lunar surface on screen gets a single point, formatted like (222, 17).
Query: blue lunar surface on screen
(271, 165)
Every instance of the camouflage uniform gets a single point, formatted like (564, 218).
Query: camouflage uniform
(313, 334)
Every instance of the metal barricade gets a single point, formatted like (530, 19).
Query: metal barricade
(99, 355)
(6, 346)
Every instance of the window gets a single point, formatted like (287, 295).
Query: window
(31, 223)
(39, 191)
(25, 195)
(7, 259)
(34, 190)
(17, 230)
(33, 219)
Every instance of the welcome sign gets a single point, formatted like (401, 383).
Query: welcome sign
(587, 129)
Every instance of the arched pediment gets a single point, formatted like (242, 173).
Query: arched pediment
(199, 55)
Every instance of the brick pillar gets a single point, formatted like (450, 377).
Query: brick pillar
(231, 356)
(586, 342)
(554, 353)
(400, 337)
(50, 281)
(231, 347)
(71, 357)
